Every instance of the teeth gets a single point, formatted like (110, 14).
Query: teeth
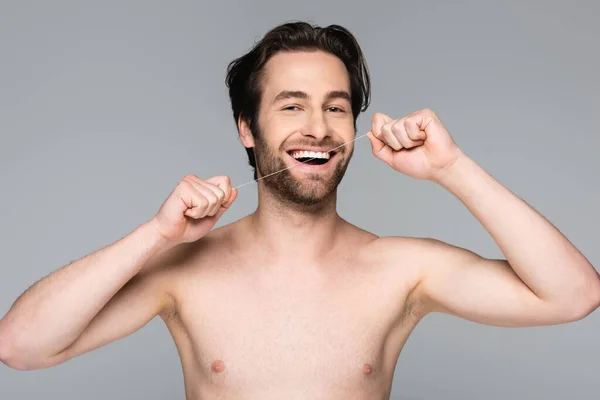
(310, 154)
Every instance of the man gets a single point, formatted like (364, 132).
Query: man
(292, 301)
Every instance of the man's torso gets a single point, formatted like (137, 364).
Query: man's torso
(250, 326)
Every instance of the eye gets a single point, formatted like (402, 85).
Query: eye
(335, 109)
(291, 108)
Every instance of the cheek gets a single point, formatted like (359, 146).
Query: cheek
(343, 127)
(286, 124)
(277, 130)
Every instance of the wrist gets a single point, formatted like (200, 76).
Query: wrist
(454, 171)
(152, 235)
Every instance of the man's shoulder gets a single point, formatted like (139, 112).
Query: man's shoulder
(394, 245)
(410, 250)
(425, 257)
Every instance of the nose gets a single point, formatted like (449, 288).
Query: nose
(317, 126)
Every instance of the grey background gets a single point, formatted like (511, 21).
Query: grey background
(104, 106)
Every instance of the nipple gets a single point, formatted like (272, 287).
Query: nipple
(367, 369)
(218, 366)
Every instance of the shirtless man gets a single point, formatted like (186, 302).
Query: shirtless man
(292, 301)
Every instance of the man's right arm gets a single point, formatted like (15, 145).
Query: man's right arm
(90, 302)
(114, 291)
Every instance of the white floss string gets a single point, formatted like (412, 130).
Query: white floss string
(285, 169)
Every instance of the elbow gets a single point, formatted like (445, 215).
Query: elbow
(14, 360)
(584, 301)
(9, 357)
(593, 301)
(13, 357)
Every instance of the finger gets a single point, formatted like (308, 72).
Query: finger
(399, 131)
(224, 183)
(224, 207)
(204, 200)
(215, 202)
(192, 178)
(379, 119)
(390, 137)
(197, 212)
(196, 204)
(380, 149)
(424, 118)
(412, 126)
(220, 186)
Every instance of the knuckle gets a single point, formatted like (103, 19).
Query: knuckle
(221, 180)
(411, 126)
(388, 128)
(212, 199)
(403, 143)
(377, 121)
(202, 202)
(190, 213)
(184, 185)
(397, 126)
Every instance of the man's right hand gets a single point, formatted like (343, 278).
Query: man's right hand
(193, 208)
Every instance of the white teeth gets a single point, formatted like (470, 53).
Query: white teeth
(310, 154)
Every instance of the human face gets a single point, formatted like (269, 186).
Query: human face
(305, 107)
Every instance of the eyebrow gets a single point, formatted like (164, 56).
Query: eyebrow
(298, 94)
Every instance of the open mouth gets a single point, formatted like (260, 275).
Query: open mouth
(312, 157)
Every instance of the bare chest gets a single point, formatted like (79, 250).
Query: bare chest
(333, 330)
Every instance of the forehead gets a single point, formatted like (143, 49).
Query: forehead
(314, 72)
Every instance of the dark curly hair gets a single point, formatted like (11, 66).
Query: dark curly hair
(244, 73)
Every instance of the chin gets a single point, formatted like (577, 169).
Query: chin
(309, 189)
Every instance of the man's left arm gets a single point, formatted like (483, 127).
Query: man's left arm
(544, 279)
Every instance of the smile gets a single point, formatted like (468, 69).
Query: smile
(311, 157)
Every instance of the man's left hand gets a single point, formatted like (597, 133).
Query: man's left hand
(417, 145)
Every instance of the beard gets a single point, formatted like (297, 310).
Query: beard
(309, 190)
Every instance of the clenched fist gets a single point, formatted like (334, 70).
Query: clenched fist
(193, 208)
(417, 145)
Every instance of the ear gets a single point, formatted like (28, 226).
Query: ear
(245, 133)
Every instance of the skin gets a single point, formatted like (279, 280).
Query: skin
(292, 301)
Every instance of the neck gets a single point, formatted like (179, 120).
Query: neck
(287, 229)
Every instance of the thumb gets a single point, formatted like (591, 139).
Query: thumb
(232, 196)
(223, 182)
(378, 121)
(380, 149)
